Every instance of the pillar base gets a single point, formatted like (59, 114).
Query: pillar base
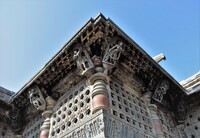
(44, 133)
(100, 101)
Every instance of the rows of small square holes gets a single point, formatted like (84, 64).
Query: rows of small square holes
(73, 108)
(129, 107)
(32, 130)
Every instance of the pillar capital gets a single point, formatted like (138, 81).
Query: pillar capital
(98, 82)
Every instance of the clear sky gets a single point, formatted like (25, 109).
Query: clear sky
(31, 32)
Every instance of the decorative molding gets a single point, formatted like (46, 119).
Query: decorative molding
(91, 129)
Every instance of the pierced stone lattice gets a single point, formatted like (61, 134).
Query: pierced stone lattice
(128, 107)
(192, 128)
(72, 108)
(32, 129)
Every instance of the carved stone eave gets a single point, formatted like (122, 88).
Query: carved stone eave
(101, 32)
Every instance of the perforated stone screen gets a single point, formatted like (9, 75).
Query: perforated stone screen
(127, 106)
(71, 110)
(32, 129)
(192, 128)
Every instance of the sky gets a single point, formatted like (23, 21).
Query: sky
(32, 32)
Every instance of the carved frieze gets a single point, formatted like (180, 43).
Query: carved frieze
(91, 129)
(36, 98)
(160, 91)
(115, 128)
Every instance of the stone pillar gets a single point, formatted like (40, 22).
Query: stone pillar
(157, 125)
(156, 121)
(100, 99)
(47, 115)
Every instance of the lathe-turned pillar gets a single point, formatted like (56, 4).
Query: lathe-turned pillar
(44, 133)
(100, 99)
(156, 122)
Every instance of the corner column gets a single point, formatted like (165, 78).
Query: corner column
(100, 99)
(44, 133)
(157, 125)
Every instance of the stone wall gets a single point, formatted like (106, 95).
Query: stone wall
(32, 129)
(168, 124)
(130, 110)
(71, 110)
(5, 131)
(192, 128)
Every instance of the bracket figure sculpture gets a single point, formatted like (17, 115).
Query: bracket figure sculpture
(36, 98)
(83, 61)
(112, 56)
(160, 91)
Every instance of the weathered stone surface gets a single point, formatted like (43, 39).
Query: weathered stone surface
(101, 84)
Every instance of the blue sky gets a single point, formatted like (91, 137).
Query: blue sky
(31, 32)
